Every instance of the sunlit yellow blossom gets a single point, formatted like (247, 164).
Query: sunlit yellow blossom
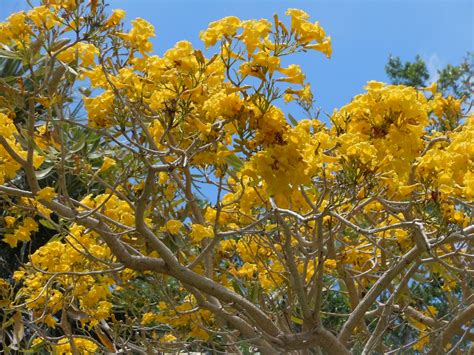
(139, 36)
(254, 31)
(324, 47)
(107, 164)
(225, 27)
(200, 232)
(294, 74)
(46, 194)
(43, 17)
(168, 338)
(115, 18)
(173, 226)
(9, 221)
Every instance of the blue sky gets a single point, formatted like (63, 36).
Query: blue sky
(364, 33)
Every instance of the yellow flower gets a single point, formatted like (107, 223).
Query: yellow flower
(83, 345)
(408, 189)
(330, 264)
(9, 221)
(168, 338)
(37, 341)
(254, 31)
(432, 88)
(115, 18)
(265, 60)
(297, 17)
(200, 232)
(50, 321)
(431, 310)
(293, 73)
(198, 332)
(148, 318)
(139, 35)
(68, 5)
(43, 17)
(84, 51)
(46, 194)
(99, 109)
(106, 165)
(247, 270)
(173, 226)
(22, 233)
(227, 26)
(19, 274)
(310, 32)
(421, 343)
(324, 47)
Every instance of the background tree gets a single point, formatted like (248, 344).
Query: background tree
(319, 239)
(455, 80)
(411, 74)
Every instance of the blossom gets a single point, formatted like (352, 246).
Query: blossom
(107, 164)
(46, 194)
(173, 226)
(294, 74)
(200, 232)
(115, 18)
(168, 338)
(139, 36)
(226, 26)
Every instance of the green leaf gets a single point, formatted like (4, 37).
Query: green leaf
(236, 287)
(79, 145)
(254, 292)
(41, 174)
(293, 120)
(48, 224)
(234, 161)
(296, 320)
(4, 53)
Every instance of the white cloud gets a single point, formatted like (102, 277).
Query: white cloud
(433, 64)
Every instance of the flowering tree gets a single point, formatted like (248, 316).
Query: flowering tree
(190, 210)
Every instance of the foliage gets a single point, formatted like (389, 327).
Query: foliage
(458, 80)
(318, 237)
(455, 80)
(411, 74)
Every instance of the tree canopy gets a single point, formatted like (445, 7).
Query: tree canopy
(182, 207)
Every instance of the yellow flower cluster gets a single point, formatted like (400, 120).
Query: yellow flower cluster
(58, 257)
(115, 18)
(8, 165)
(46, 194)
(200, 232)
(100, 109)
(449, 166)
(68, 5)
(86, 52)
(383, 130)
(82, 251)
(292, 159)
(43, 17)
(15, 30)
(307, 32)
(19, 28)
(184, 318)
(139, 35)
(173, 226)
(227, 26)
(22, 233)
(82, 345)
